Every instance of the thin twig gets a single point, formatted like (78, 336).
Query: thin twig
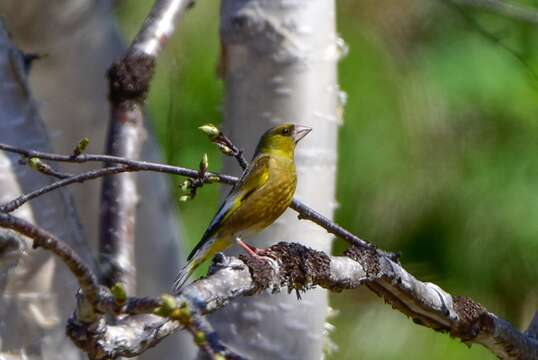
(44, 168)
(136, 165)
(236, 152)
(80, 178)
(303, 210)
(520, 58)
(504, 8)
(306, 213)
(85, 277)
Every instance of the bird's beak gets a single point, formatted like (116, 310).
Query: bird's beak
(300, 132)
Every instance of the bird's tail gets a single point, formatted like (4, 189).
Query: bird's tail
(184, 274)
(204, 250)
(199, 254)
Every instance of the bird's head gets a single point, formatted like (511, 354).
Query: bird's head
(281, 139)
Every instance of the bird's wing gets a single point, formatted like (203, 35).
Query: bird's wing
(254, 177)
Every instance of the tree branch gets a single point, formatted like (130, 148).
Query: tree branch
(94, 301)
(532, 330)
(293, 266)
(42, 238)
(129, 81)
(503, 8)
(303, 210)
(300, 268)
(80, 178)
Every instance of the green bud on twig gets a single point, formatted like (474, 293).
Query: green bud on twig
(168, 306)
(168, 302)
(34, 163)
(81, 146)
(119, 293)
(159, 311)
(185, 185)
(212, 179)
(199, 338)
(184, 198)
(183, 314)
(210, 130)
(204, 163)
(225, 149)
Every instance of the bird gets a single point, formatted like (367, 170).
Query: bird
(262, 194)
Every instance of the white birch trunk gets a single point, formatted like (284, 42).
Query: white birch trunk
(279, 65)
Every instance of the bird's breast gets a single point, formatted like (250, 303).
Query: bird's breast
(269, 202)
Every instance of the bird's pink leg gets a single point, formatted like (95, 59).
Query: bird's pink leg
(267, 252)
(247, 247)
(255, 252)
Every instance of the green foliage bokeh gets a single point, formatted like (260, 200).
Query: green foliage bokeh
(438, 159)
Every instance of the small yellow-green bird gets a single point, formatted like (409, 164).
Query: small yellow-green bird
(263, 193)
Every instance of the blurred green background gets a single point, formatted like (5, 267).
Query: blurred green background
(438, 159)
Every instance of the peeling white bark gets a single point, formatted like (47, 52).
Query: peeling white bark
(278, 62)
(159, 26)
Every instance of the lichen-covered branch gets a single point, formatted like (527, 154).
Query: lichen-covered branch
(129, 81)
(299, 268)
(292, 266)
(295, 267)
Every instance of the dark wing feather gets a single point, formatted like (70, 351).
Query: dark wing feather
(253, 178)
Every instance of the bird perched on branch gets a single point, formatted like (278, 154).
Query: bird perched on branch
(263, 193)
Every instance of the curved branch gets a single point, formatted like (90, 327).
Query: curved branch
(291, 265)
(98, 335)
(503, 8)
(42, 238)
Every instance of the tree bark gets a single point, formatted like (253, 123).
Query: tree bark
(278, 62)
(80, 40)
(36, 291)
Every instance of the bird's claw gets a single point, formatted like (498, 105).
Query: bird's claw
(266, 252)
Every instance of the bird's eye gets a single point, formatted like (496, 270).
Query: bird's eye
(285, 131)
